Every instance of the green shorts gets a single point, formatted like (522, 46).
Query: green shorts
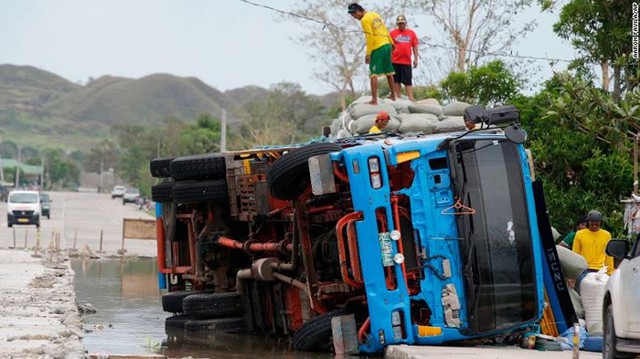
(380, 64)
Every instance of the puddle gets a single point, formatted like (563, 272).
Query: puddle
(130, 319)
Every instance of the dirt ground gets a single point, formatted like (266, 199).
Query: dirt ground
(38, 313)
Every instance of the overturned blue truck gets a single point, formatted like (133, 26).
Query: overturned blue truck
(407, 239)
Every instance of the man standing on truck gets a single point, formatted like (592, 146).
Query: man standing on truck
(379, 47)
(406, 42)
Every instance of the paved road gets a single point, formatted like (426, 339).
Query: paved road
(81, 217)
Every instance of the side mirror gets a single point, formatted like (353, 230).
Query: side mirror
(617, 248)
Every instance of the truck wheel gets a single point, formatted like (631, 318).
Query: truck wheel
(315, 335)
(162, 192)
(288, 177)
(220, 325)
(200, 191)
(159, 167)
(209, 166)
(176, 321)
(214, 305)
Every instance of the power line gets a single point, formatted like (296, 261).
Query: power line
(326, 23)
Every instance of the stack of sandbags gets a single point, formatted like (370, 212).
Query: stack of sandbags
(362, 116)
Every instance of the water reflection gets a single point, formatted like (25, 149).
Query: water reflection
(130, 320)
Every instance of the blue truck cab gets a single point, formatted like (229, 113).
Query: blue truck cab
(410, 239)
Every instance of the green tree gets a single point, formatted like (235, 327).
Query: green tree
(488, 84)
(201, 137)
(601, 32)
(61, 172)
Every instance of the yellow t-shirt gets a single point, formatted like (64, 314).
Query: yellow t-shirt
(374, 129)
(591, 245)
(375, 31)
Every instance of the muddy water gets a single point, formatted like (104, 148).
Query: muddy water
(130, 320)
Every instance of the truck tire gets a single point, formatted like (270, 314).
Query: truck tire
(315, 334)
(220, 325)
(162, 192)
(213, 305)
(205, 166)
(200, 191)
(172, 302)
(609, 350)
(176, 321)
(159, 167)
(288, 177)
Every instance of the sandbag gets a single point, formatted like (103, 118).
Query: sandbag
(428, 101)
(335, 126)
(363, 124)
(342, 133)
(432, 109)
(455, 108)
(401, 105)
(417, 122)
(592, 290)
(577, 303)
(362, 109)
(571, 262)
(450, 124)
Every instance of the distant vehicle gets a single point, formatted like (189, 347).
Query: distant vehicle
(117, 191)
(131, 195)
(23, 207)
(45, 205)
(620, 306)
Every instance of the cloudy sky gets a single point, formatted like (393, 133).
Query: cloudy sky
(225, 43)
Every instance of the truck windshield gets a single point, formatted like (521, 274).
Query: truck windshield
(23, 198)
(496, 241)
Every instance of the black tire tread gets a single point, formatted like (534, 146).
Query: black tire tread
(200, 191)
(213, 305)
(221, 325)
(288, 176)
(162, 192)
(315, 334)
(159, 167)
(202, 166)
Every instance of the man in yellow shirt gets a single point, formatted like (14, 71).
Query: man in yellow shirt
(591, 243)
(382, 119)
(379, 48)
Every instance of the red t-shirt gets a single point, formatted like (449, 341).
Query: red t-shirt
(404, 41)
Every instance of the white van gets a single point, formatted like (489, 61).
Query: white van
(23, 207)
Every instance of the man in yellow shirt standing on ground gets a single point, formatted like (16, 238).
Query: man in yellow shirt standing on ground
(591, 243)
(379, 48)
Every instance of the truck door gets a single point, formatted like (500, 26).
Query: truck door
(496, 244)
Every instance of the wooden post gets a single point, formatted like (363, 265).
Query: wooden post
(101, 240)
(26, 232)
(37, 247)
(14, 237)
(75, 237)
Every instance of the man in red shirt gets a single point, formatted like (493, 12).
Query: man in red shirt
(406, 42)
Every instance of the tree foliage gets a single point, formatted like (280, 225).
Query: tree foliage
(489, 84)
(601, 32)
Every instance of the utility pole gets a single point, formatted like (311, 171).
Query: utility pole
(223, 131)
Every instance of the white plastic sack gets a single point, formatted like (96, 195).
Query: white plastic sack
(342, 133)
(417, 122)
(592, 290)
(336, 125)
(450, 124)
(455, 108)
(362, 109)
(363, 124)
(572, 263)
(432, 109)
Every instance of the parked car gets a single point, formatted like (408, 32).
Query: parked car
(620, 306)
(117, 191)
(131, 195)
(23, 207)
(45, 205)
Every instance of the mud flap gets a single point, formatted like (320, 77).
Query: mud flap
(554, 281)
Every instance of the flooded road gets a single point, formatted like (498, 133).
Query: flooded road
(130, 319)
